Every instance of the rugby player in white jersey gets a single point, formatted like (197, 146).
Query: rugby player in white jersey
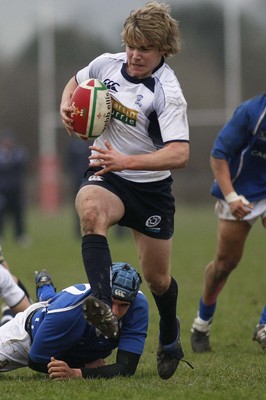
(129, 177)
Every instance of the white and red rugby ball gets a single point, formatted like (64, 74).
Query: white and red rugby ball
(92, 109)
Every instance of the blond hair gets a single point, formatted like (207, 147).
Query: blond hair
(152, 26)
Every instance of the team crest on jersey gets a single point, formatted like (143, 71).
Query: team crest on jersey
(138, 100)
(124, 114)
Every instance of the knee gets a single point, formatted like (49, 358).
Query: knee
(221, 275)
(158, 284)
(87, 211)
(223, 268)
(89, 217)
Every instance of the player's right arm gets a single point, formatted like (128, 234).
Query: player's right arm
(221, 172)
(65, 107)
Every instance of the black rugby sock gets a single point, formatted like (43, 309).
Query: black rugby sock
(97, 262)
(166, 305)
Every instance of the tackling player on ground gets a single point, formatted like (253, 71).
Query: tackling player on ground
(53, 336)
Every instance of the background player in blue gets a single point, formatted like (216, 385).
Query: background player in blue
(129, 177)
(57, 329)
(238, 161)
(13, 165)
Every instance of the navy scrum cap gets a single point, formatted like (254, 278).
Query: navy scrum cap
(125, 281)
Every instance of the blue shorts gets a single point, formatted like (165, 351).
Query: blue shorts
(149, 207)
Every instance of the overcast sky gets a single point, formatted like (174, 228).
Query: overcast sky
(19, 18)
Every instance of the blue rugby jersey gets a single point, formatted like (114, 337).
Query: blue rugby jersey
(59, 330)
(242, 143)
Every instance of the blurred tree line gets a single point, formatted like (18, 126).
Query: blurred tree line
(199, 67)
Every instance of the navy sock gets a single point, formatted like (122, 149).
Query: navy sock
(97, 262)
(206, 312)
(263, 317)
(166, 305)
(45, 292)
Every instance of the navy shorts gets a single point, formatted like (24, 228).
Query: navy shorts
(149, 207)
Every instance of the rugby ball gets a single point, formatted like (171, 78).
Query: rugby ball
(92, 108)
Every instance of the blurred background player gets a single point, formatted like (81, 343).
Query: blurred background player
(129, 180)
(53, 335)
(13, 161)
(238, 162)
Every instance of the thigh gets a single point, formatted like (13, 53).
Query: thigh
(149, 208)
(231, 239)
(102, 207)
(154, 257)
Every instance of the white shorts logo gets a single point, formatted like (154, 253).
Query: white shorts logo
(94, 178)
(153, 221)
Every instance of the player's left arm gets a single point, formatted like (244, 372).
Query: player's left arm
(125, 365)
(37, 366)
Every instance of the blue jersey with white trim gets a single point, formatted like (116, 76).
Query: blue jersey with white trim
(146, 113)
(242, 143)
(59, 330)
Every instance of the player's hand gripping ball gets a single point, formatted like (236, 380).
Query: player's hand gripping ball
(92, 109)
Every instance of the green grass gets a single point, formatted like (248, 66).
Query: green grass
(236, 367)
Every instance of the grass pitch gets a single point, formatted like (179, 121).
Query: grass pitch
(236, 367)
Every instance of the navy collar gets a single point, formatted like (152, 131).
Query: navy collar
(149, 81)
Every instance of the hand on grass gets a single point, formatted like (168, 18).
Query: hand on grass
(59, 370)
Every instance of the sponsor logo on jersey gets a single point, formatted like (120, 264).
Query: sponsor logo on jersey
(124, 114)
(257, 153)
(111, 85)
(94, 178)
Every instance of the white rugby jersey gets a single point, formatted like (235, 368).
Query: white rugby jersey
(146, 113)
